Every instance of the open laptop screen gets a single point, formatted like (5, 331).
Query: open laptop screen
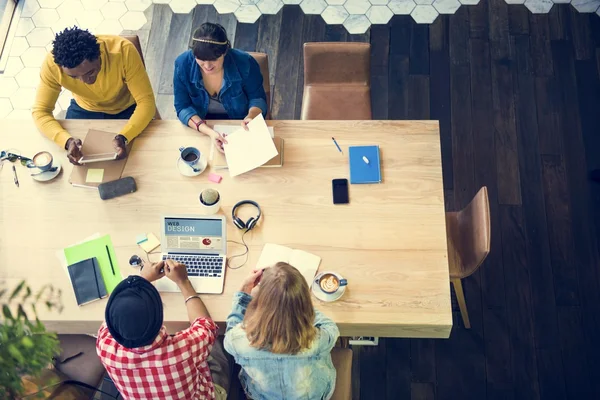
(194, 234)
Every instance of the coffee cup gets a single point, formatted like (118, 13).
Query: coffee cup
(330, 282)
(42, 161)
(190, 156)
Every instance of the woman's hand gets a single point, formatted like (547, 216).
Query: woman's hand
(252, 282)
(253, 112)
(218, 139)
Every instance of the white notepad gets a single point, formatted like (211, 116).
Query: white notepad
(247, 150)
(305, 262)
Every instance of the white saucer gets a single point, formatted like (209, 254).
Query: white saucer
(321, 295)
(46, 176)
(186, 170)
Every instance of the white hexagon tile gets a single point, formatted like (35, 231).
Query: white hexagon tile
(226, 6)
(335, 15)
(182, 6)
(424, 14)
(269, 6)
(402, 7)
(379, 14)
(247, 13)
(313, 6)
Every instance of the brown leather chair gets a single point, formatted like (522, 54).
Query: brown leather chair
(342, 361)
(469, 233)
(85, 367)
(337, 82)
(136, 42)
(263, 62)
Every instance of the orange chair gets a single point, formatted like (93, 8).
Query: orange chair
(469, 232)
(263, 62)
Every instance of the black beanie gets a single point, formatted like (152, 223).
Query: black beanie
(134, 313)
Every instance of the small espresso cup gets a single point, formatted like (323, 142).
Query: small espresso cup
(190, 156)
(330, 282)
(42, 161)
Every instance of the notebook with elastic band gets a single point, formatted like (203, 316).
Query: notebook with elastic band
(365, 165)
(87, 282)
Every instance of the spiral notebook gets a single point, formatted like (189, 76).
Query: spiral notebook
(362, 171)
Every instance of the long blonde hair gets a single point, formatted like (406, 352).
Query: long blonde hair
(280, 318)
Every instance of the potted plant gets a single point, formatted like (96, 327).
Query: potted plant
(26, 347)
(210, 200)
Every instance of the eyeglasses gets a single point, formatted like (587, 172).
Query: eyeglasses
(12, 157)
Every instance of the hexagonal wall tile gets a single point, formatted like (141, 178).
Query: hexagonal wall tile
(34, 56)
(446, 6)
(24, 26)
(8, 86)
(28, 78)
(5, 108)
(270, 6)
(205, 2)
(63, 24)
(469, 2)
(379, 2)
(50, 3)
(586, 6)
(138, 5)
(313, 6)
(402, 7)
(18, 46)
(40, 37)
(113, 10)
(513, 1)
(29, 8)
(561, 1)
(226, 6)
(248, 2)
(133, 20)
(424, 2)
(93, 4)
(90, 19)
(70, 9)
(109, 27)
(19, 114)
(23, 99)
(182, 6)
(357, 6)
(13, 66)
(379, 14)
(161, 1)
(335, 2)
(539, 6)
(291, 1)
(335, 15)
(357, 24)
(64, 99)
(423, 14)
(45, 17)
(247, 13)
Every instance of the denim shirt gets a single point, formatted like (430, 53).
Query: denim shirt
(242, 86)
(308, 375)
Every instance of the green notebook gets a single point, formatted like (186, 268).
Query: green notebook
(97, 248)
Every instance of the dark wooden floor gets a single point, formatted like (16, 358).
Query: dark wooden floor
(518, 100)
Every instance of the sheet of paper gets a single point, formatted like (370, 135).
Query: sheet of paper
(94, 175)
(305, 262)
(229, 129)
(247, 150)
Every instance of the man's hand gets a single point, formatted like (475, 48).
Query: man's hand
(120, 146)
(176, 272)
(74, 153)
(252, 282)
(154, 271)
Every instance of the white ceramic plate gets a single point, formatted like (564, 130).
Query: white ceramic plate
(46, 176)
(186, 170)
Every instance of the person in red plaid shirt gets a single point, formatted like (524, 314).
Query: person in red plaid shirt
(143, 361)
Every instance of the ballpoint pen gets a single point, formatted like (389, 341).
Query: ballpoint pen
(112, 268)
(337, 145)
(15, 174)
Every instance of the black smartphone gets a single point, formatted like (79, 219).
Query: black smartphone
(117, 188)
(340, 191)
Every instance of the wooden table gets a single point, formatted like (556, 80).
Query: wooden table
(389, 242)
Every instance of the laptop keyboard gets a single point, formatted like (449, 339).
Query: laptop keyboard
(208, 266)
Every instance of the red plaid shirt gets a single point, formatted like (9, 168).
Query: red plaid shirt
(172, 367)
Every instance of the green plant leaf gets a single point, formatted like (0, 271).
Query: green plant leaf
(27, 293)
(7, 313)
(15, 353)
(21, 313)
(27, 342)
(15, 292)
(3, 292)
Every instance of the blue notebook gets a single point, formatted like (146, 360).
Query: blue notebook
(360, 171)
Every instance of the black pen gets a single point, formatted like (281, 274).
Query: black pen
(110, 259)
(15, 174)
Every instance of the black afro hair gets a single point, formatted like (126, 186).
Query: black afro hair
(73, 45)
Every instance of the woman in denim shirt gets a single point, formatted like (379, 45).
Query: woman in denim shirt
(214, 81)
(281, 342)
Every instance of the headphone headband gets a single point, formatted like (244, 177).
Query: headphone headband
(251, 223)
(241, 203)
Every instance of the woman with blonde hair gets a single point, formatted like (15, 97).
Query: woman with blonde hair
(281, 342)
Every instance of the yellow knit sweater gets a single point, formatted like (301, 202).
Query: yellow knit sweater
(122, 82)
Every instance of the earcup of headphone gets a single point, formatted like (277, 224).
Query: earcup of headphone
(251, 223)
(238, 222)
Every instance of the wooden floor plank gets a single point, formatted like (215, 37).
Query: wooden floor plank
(396, 370)
(541, 53)
(373, 382)
(269, 31)
(559, 22)
(157, 43)
(547, 98)
(582, 35)
(246, 37)
(181, 28)
(419, 50)
(574, 353)
(422, 391)
(399, 67)
(422, 360)
(479, 21)
(380, 58)
(518, 19)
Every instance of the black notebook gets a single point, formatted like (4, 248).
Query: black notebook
(87, 282)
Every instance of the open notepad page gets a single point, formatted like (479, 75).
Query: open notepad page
(305, 262)
(247, 150)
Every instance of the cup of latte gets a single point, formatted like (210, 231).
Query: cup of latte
(42, 161)
(330, 282)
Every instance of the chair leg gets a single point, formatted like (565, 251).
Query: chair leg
(462, 304)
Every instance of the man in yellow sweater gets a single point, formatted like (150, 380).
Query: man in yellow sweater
(108, 81)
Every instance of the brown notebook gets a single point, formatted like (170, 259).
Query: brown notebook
(220, 162)
(93, 174)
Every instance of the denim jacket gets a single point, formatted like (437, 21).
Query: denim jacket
(242, 86)
(308, 375)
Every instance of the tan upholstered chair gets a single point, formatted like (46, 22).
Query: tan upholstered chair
(263, 62)
(136, 42)
(85, 367)
(468, 244)
(342, 361)
(337, 82)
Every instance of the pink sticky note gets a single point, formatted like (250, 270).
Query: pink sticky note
(214, 178)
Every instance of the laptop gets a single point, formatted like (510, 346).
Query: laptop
(199, 242)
